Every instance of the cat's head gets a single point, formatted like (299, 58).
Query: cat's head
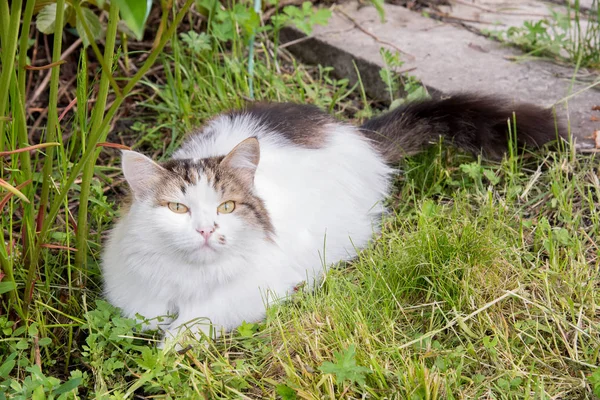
(201, 209)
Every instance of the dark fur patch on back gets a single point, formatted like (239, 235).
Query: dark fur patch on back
(303, 125)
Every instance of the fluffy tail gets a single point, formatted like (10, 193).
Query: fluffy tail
(470, 122)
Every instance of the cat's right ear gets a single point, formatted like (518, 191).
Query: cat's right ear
(243, 159)
(141, 172)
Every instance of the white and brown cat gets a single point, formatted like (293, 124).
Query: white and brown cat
(262, 199)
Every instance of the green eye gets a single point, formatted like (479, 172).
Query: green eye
(178, 208)
(226, 207)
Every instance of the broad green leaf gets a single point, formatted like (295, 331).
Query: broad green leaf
(473, 170)
(68, 386)
(6, 287)
(420, 93)
(6, 368)
(286, 392)
(135, 13)
(491, 176)
(246, 18)
(246, 329)
(595, 381)
(46, 19)
(345, 368)
(93, 23)
(22, 344)
(8, 365)
(196, 42)
(320, 17)
(33, 330)
(39, 393)
(306, 17)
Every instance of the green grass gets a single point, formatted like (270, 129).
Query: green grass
(572, 36)
(483, 284)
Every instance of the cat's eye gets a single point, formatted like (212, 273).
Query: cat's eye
(178, 208)
(226, 207)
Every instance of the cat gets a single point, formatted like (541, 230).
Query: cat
(263, 199)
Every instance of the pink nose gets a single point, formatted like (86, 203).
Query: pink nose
(206, 232)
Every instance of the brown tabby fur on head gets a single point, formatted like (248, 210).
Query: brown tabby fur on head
(230, 183)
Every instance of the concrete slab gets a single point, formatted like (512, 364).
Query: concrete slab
(584, 4)
(500, 15)
(446, 58)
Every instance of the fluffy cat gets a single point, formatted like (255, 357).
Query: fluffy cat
(262, 199)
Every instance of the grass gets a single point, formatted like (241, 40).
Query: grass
(483, 284)
(572, 36)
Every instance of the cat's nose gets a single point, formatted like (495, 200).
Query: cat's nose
(206, 232)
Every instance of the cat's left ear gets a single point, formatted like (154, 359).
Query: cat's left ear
(141, 173)
(243, 159)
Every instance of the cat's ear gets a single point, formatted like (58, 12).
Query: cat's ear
(141, 172)
(243, 159)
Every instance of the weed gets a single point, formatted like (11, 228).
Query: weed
(344, 368)
(412, 90)
(573, 36)
(304, 18)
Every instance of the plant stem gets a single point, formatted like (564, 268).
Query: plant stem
(20, 120)
(257, 8)
(5, 20)
(98, 135)
(101, 59)
(26, 24)
(51, 134)
(28, 221)
(97, 114)
(23, 139)
(9, 33)
(9, 48)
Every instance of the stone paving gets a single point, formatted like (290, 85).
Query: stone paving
(503, 14)
(453, 57)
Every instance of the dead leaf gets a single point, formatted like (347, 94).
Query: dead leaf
(113, 145)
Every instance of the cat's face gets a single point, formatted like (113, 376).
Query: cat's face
(201, 209)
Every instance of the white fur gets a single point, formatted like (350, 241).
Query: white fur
(324, 205)
(139, 171)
